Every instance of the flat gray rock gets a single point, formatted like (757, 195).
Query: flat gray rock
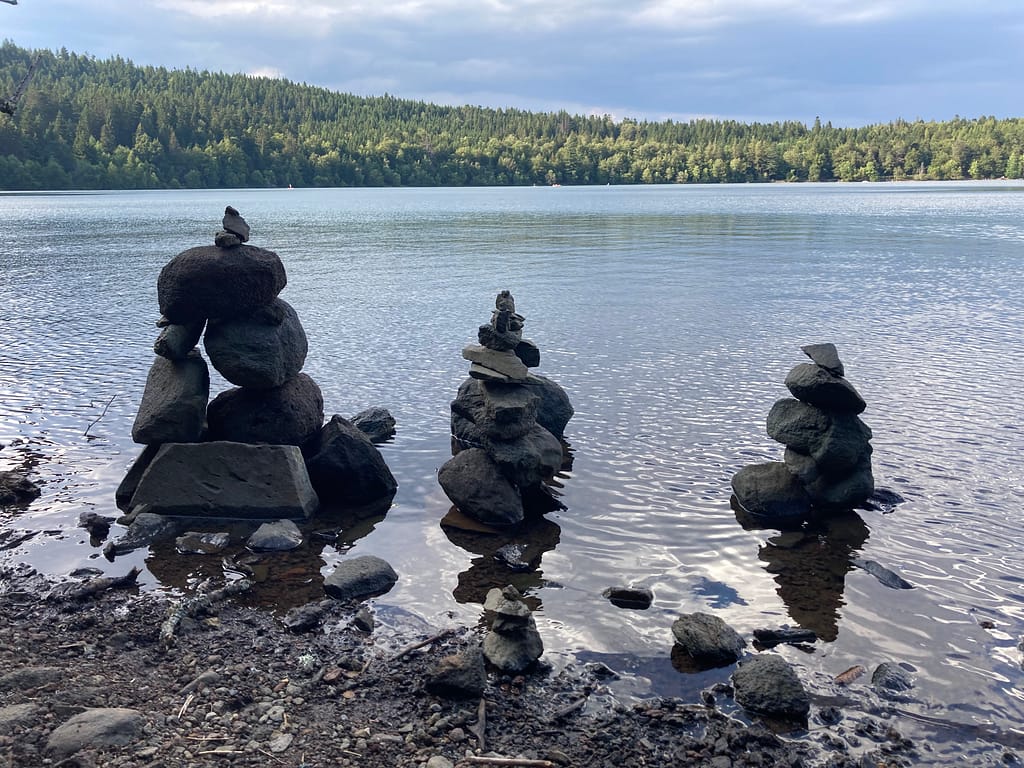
(96, 728)
(826, 356)
(278, 536)
(16, 716)
(225, 479)
(505, 363)
(173, 407)
(358, 578)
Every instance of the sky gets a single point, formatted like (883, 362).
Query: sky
(849, 62)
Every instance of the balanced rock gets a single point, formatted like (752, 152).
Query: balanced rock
(504, 362)
(513, 645)
(235, 224)
(345, 467)
(226, 479)
(262, 349)
(825, 355)
(173, 407)
(813, 384)
(177, 340)
(211, 282)
(289, 414)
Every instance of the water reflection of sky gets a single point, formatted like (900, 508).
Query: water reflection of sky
(670, 315)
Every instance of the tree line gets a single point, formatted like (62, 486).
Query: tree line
(85, 123)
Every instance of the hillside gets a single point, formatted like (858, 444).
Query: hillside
(85, 123)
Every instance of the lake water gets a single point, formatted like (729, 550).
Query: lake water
(671, 316)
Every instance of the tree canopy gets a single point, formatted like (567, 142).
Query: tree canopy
(85, 123)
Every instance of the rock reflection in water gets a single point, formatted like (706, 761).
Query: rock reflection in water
(810, 564)
(504, 557)
(282, 580)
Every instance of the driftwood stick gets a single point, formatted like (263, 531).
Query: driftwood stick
(481, 724)
(93, 587)
(508, 761)
(97, 421)
(568, 709)
(410, 648)
(196, 605)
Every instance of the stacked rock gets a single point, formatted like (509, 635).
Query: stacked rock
(827, 464)
(513, 643)
(507, 425)
(233, 456)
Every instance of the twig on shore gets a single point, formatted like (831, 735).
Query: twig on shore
(480, 727)
(508, 761)
(410, 648)
(193, 606)
(93, 587)
(569, 709)
(97, 421)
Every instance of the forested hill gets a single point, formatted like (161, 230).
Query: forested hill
(84, 123)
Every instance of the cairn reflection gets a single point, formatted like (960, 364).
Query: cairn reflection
(810, 563)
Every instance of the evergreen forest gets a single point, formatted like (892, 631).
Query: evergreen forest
(84, 123)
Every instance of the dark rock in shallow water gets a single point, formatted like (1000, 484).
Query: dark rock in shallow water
(812, 384)
(884, 575)
(376, 423)
(890, 676)
(173, 407)
(527, 460)
(345, 467)
(276, 536)
(145, 528)
(708, 640)
(766, 684)
(16, 488)
(769, 638)
(263, 349)
(476, 485)
(637, 598)
(287, 415)
(360, 577)
(202, 543)
(843, 493)
(770, 490)
(214, 282)
(825, 355)
(225, 479)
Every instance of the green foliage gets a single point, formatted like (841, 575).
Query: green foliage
(89, 124)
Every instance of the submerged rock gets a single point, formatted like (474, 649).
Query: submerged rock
(360, 577)
(277, 536)
(708, 640)
(767, 684)
(376, 423)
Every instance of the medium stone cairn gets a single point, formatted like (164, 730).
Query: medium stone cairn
(827, 464)
(507, 424)
(250, 452)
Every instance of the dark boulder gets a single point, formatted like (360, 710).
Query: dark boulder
(826, 355)
(261, 350)
(555, 410)
(358, 578)
(766, 684)
(376, 423)
(214, 282)
(126, 489)
(345, 467)
(527, 460)
(287, 415)
(16, 488)
(708, 640)
(843, 493)
(460, 676)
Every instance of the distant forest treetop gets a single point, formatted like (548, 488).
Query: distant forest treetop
(85, 123)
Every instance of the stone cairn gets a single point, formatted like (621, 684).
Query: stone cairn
(507, 425)
(827, 464)
(260, 449)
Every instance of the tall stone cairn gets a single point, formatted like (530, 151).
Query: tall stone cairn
(827, 463)
(255, 340)
(507, 424)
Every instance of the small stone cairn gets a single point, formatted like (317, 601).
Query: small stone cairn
(507, 424)
(827, 464)
(260, 449)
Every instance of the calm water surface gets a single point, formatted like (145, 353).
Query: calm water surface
(671, 315)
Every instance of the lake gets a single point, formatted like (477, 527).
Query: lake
(671, 316)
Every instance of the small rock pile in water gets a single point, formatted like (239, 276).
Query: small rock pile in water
(239, 455)
(507, 423)
(827, 464)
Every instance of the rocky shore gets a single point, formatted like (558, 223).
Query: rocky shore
(88, 682)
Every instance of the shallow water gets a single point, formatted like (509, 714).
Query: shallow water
(671, 315)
